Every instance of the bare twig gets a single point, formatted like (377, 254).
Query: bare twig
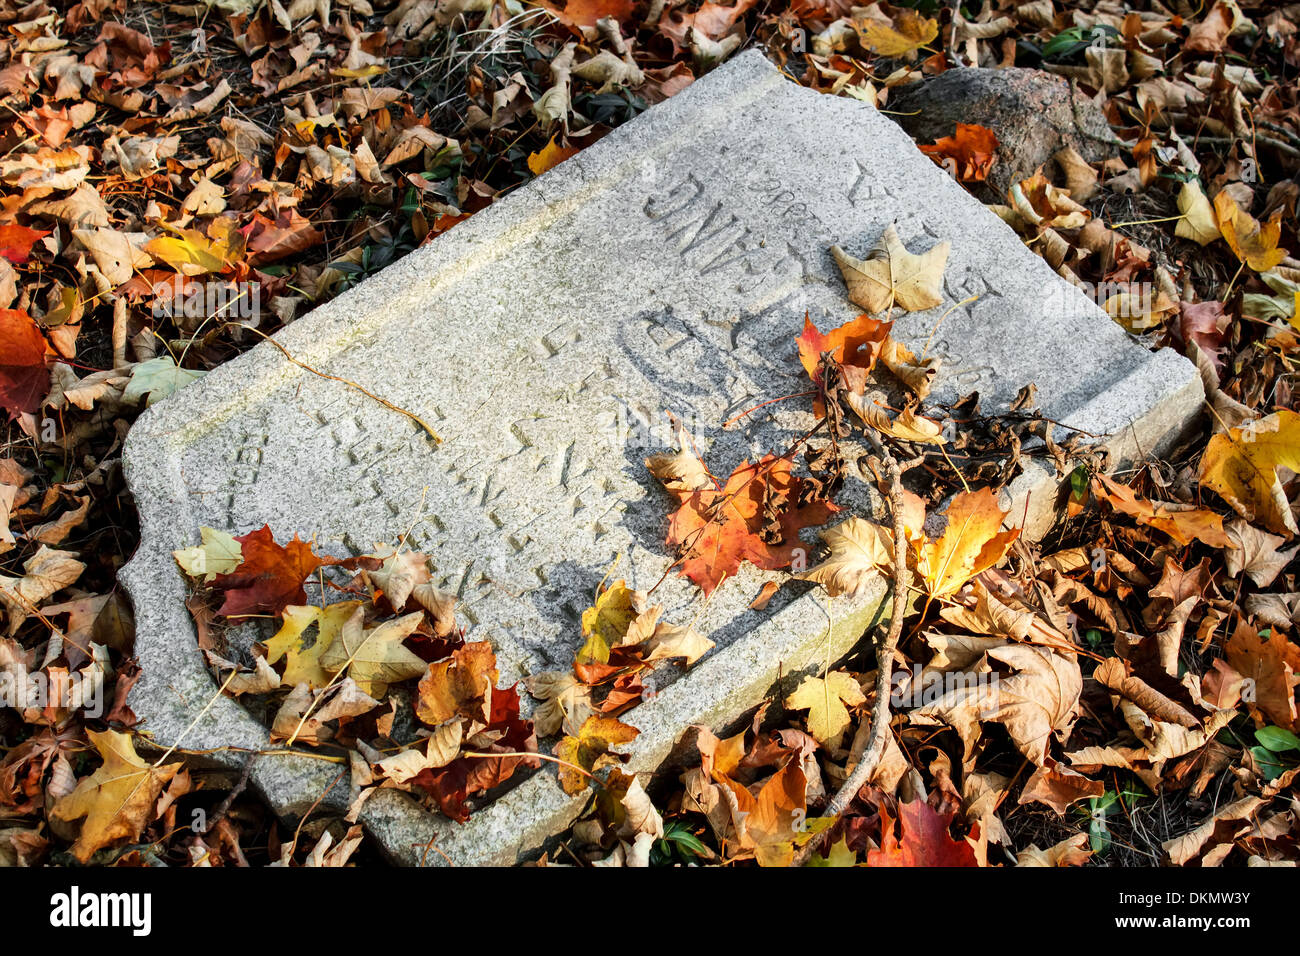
(877, 740)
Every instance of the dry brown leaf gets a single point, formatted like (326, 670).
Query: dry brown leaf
(891, 275)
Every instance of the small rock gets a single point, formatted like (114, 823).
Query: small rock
(1029, 110)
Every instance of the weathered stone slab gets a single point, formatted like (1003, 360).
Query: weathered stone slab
(668, 267)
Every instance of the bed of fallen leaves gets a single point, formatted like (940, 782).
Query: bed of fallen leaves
(1144, 707)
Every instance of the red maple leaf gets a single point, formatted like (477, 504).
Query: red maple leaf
(925, 840)
(451, 785)
(16, 242)
(270, 576)
(756, 516)
(24, 378)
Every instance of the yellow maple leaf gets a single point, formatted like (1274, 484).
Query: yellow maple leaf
(606, 622)
(891, 275)
(592, 749)
(908, 32)
(549, 156)
(860, 551)
(190, 252)
(1241, 467)
(971, 542)
(374, 658)
(302, 664)
(118, 799)
(1252, 242)
(825, 699)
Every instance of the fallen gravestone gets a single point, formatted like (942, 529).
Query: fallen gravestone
(667, 267)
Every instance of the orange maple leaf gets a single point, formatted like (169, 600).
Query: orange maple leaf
(856, 342)
(756, 516)
(969, 154)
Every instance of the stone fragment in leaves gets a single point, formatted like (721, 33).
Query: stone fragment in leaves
(891, 275)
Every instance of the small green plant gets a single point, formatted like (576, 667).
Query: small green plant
(1271, 742)
(677, 846)
(1099, 807)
